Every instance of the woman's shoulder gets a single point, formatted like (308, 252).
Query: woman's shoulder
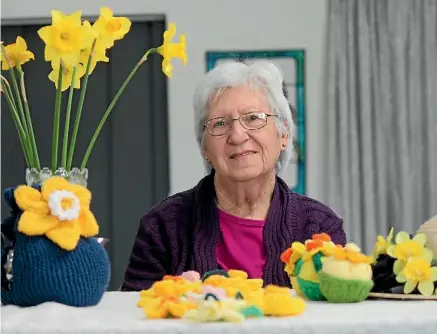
(175, 206)
(316, 217)
(310, 206)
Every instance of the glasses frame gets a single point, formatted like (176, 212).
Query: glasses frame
(232, 120)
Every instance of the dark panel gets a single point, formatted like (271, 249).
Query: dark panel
(129, 169)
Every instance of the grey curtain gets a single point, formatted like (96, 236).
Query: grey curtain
(381, 115)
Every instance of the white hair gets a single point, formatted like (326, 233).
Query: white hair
(263, 76)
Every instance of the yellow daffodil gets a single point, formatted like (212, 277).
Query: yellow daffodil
(382, 244)
(61, 212)
(67, 76)
(15, 54)
(110, 28)
(99, 54)
(171, 50)
(405, 247)
(65, 38)
(418, 272)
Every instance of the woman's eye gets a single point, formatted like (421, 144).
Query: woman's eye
(219, 124)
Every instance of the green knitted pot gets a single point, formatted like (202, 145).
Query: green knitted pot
(310, 290)
(339, 290)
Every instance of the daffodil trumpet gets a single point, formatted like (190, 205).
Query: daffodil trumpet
(73, 48)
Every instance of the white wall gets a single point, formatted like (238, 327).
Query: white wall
(219, 25)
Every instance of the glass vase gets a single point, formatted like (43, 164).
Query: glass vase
(75, 175)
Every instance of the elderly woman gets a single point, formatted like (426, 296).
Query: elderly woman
(242, 215)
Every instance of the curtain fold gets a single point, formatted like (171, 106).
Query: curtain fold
(381, 115)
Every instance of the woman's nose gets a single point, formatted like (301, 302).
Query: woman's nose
(238, 133)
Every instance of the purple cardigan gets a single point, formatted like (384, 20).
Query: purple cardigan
(181, 233)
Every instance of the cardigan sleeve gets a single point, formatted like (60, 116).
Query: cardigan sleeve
(334, 227)
(150, 258)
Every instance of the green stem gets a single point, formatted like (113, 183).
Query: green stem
(111, 106)
(79, 110)
(18, 96)
(31, 134)
(56, 121)
(21, 134)
(67, 120)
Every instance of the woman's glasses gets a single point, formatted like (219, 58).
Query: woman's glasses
(220, 126)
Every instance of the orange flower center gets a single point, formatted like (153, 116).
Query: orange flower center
(113, 25)
(66, 203)
(65, 36)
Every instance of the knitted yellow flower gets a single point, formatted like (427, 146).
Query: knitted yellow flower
(61, 212)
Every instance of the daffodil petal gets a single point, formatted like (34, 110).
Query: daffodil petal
(44, 33)
(420, 238)
(401, 278)
(428, 255)
(28, 198)
(434, 274)
(88, 224)
(50, 54)
(52, 184)
(57, 16)
(21, 43)
(402, 237)
(66, 235)
(71, 59)
(167, 67)
(426, 288)
(106, 13)
(33, 224)
(398, 265)
(169, 33)
(82, 193)
(76, 18)
(409, 287)
(26, 55)
(390, 250)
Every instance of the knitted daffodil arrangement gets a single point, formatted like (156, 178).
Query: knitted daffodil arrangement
(322, 271)
(55, 257)
(217, 296)
(404, 265)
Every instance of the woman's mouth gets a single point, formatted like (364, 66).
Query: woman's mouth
(242, 154)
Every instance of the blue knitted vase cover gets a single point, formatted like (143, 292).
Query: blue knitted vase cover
(43, 272)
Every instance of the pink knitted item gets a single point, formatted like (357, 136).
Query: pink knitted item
(192, 276)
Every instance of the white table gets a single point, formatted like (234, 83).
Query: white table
(117, 313)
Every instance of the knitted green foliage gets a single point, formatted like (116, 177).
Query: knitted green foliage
(310, 290)
(215, 272)
(338, 290)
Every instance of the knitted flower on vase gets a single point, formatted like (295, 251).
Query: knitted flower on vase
(61, 212)
(55, 257)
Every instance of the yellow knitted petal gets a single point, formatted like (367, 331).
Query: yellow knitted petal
(33, 224)
(66, 235)
(52, 184)
(28, 198)
(82, 193)
(88, 224)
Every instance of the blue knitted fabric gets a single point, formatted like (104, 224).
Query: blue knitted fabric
(43, 272)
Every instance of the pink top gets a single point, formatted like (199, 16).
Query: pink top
(241, 245)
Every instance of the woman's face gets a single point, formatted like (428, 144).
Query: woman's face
(243, 155)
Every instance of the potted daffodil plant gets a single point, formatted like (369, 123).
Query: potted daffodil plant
(73, 47)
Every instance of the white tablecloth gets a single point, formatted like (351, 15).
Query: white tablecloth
(117, 313)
